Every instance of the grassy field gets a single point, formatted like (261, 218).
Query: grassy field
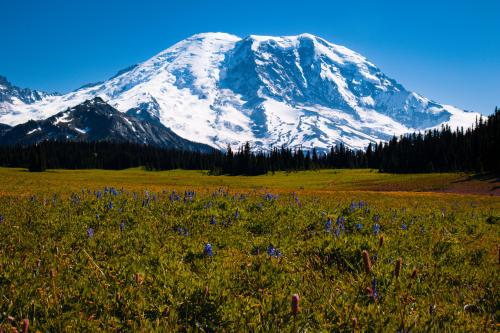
(19, 181)
(127, 251)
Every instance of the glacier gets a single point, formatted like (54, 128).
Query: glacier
(219, 89)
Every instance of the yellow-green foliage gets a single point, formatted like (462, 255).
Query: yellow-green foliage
(151, 276)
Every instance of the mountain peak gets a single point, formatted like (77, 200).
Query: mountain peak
(4, 82)
(218, 89)
(213, 35)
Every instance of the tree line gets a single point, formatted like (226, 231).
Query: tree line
(440, 150)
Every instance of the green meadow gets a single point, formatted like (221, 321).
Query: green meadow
(127, 251)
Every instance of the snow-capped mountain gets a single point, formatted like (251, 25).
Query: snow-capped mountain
(219, 89)
(95, 120)
(12, 95)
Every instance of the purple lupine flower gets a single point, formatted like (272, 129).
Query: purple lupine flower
(271, 250)
(376, 218)
(213, 221)
(340, 225)
(278, 253)
(404, 227)
(328, 225)
(376, 228)
(237, 214)
(374, 289)
(122, 226)
(90, 232)
(99, 194)
(110, 205)
(207, 250)
(359, 226)
(174, 197)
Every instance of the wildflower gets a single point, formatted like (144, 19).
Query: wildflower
(366, 262)
(271, 250)
(110, 205)
(237, 214)
(340, 225)
(90, 232)
(404, 227)
(376, 228)
(295, 304)
(374, 289)
(432, 309)
(139, 278)
(397, 268)
(122, 226)
(354, 323)
(414, 273)
(208, 250)
(213, 221)
(278, 253)
(328, 225)
(359, 226)
(26, 324)
(376, 218)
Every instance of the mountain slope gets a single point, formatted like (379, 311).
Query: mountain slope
(94, 120)
(219, 89)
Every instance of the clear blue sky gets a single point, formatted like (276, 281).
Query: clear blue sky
(446, 50)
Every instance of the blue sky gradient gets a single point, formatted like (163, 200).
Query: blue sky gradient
(448, 51)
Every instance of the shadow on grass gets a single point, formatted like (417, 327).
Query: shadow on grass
(488, 177)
